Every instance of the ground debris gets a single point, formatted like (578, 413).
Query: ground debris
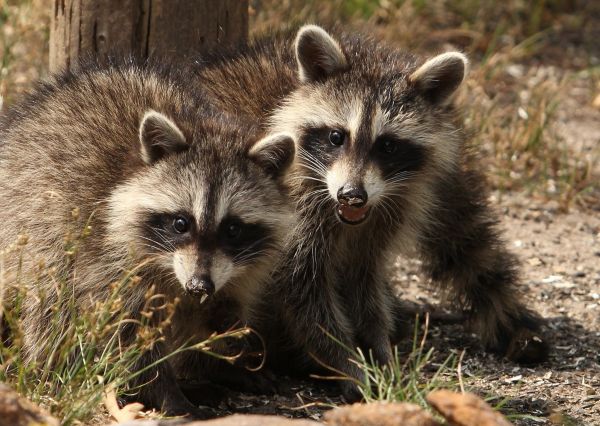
(465, 409)
(18, 411)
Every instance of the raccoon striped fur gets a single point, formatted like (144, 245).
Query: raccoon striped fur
(168, 186)
(382, 167)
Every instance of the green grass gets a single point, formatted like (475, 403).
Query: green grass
(410, 377)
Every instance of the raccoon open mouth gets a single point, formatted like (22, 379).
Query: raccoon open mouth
(352, 215)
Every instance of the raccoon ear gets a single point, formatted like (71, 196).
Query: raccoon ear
(159, 137)
(274, 153)
(438, 78)
(318, 54)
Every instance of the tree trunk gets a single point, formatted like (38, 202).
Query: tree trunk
(142, 28)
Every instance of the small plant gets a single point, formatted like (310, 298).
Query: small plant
(409, 377)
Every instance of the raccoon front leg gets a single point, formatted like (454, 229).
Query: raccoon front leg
(463, 250)
(158, 387)
(368, 301)
(199, 365)
(310, 311)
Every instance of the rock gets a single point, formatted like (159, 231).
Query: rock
(235, 420)
(465, 409)
(380, 414)
(18, 411)
(596, 102)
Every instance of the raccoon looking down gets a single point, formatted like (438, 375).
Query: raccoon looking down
(382, 167)
(168, 186)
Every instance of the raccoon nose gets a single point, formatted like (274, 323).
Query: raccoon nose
(351, 195)
(200, 285)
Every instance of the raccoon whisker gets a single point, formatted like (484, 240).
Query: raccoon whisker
(161, 233)
(382, 206)
(304, 153)
(165, 244)
(322, 201)
(388, 209)
(401, 176)
(399, 181)
(162, 240)
(317, 172)
(307, 202)
(170, 275)
(247, 249)
(154, 247)
(316, 195)
(319, 191)
(157, 244)
(397, 186)
(403, 173)
(152, 240)
(315, 204)
(312, 178)
(154, 257)
(312, 162)
(389, 197)
(241, 260)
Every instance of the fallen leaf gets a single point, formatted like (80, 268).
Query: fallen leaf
(127, 413)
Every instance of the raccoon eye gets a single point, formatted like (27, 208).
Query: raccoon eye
(181, 225)
(234, 231)
(336, 137)
(388, 146)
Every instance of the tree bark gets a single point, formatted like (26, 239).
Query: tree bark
(142, 28)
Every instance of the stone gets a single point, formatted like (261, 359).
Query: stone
(380, 414)
(18, 411)
(465, 409)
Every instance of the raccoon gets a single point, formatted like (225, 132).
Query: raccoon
(168, 186)
(382, 167)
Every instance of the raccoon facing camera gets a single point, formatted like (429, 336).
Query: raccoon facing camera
(382, 168)
(169, 191)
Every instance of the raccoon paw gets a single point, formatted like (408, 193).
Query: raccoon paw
(261, 382)
(239, 379)
(350, 392)
(522, 343)
(204, 393)
(527, 347)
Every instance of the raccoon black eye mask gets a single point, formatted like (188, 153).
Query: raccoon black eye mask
(242, 241)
